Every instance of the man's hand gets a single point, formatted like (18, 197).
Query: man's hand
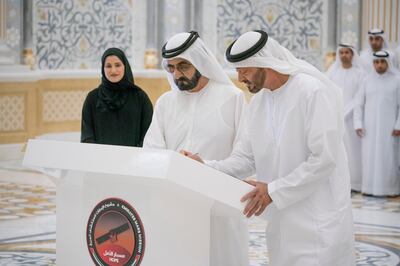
(396, 133)
(257, 199)
(360, 132)
(193, 156)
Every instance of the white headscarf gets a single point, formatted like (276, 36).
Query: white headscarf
(377, 32)
(276, 57)
(337, 64)
(199, 56)
(386, 56)
(280, 59)
(366, 53)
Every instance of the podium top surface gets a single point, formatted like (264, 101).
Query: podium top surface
(137, 162)
(97, 158)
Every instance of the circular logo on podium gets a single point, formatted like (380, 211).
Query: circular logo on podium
(114, 234)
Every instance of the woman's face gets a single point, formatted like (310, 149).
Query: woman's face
(114, 69)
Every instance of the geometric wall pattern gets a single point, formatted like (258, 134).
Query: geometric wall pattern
(63, 105)
(74, 34)
(12, 113)
(297, 25)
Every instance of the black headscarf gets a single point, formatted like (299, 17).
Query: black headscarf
(113, 96)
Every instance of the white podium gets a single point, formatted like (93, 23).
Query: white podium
(128, 206)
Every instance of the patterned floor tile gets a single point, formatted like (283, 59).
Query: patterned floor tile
(19, 201)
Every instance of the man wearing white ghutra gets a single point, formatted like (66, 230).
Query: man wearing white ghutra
(293, 140)
(377, 123)
(202, 112)
(347, 72)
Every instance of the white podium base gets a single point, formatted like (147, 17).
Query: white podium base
(168, 241)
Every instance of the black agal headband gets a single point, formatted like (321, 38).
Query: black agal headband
(181, 48)
(381, 54)
(249, 52)
(373, 32)
(346, 45)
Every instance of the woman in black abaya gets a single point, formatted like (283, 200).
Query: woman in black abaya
(118, 112)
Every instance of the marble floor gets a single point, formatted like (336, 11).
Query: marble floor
(28, 223)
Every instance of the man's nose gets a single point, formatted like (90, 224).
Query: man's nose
(177, 73)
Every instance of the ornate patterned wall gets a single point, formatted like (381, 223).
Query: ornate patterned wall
(44, 105)
(12, 112)
(63, 105)
(75, 33)
(297, 25)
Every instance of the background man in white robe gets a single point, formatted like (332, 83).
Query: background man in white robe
(294, 141)
(377, 41)
(347, 72)
(201, 113)
(377, 122)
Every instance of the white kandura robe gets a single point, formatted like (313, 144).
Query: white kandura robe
(378, 113)
(206, 122)
(350, 80)
(294, 141)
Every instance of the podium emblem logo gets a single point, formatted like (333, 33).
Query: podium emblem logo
(115, 234)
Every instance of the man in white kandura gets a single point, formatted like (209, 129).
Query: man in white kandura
(347, 72)
(377, 122)
(201, 113)
(293, 139)
(377, 41)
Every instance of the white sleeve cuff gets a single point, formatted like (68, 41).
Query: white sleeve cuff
(357, 125)
(272, 192)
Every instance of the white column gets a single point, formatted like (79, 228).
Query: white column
(5, 58)
(209, 29)
(140, 32)
(348, 22)
(11, 36)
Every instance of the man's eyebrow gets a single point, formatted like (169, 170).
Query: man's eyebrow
(183, 63)
(180, 63)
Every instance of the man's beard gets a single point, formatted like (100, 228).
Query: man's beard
(380, 71)
(376, 48)
(258, 83)
(345, 61)
(185, 84)
(253, 89)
